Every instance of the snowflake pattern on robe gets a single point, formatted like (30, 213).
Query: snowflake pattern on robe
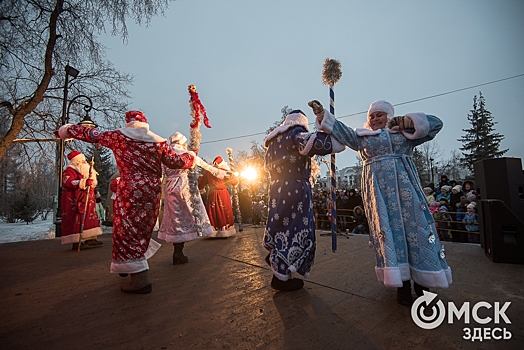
(290, 230)
(138, 194)
(400, 223)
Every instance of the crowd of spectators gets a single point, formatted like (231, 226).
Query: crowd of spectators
(453, 204)
(454, 207)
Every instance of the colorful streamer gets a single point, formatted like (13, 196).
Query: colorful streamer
(197, 109)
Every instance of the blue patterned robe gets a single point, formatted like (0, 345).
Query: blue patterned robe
(402, 229)
(290, 229)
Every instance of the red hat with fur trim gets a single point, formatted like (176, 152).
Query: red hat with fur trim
(73, 154)
(135, 116)
(220, 163)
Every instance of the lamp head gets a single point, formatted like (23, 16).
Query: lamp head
(87, 122)
(71, 71)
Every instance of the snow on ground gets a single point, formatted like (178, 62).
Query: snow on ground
(20, 231)
(37, 230)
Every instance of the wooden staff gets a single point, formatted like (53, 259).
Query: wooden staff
(84, 214)
(235, 192)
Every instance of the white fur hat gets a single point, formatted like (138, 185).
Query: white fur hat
(177, 137)
(381, 106)
(76, 157)
(457, 188)
(296, 117)
(220, 163)
(446, 188)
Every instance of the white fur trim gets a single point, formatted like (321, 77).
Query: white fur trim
(139, 131)
(421, 123)
(393, 276)
(87, 234)
(296, 119)
(231, 231)
(63, 133)
(152, 248)
(432, 279)
(135, 266)
(325, 123)
(220, 174)
(276, 131)
(177, 138)
(337, 146)
(367, 132)
(290, 121)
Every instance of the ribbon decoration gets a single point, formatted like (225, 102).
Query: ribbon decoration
(331, 74)
(196, 110)
(235, 192)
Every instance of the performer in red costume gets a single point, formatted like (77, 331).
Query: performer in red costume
(218, 203)
(75, 184)
(139, 155)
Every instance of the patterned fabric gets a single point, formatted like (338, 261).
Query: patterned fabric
(73, 205)
(138, 193)
(402, 229)
(218, 204)
(290, 230)
(178, 223)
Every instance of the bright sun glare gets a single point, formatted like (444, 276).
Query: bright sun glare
(249, 174)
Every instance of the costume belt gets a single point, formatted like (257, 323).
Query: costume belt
(404, 157)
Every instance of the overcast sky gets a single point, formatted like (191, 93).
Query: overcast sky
(249, 59)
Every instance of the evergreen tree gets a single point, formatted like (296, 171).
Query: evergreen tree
(25, 208)
(285, 111)
(480, 141)
(420, 164)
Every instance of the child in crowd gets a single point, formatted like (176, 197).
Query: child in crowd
(428, 191)
(444, 193)
(459, 216)
(444, 223)
(361, 221)
(433, 206)
(471, 222)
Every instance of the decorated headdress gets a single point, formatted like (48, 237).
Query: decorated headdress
(220, 163)
(135, 116)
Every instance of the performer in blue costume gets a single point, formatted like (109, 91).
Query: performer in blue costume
(290, 231)
(402, 229)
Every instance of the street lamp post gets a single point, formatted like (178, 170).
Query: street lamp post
(432, 173)
(70, 71)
